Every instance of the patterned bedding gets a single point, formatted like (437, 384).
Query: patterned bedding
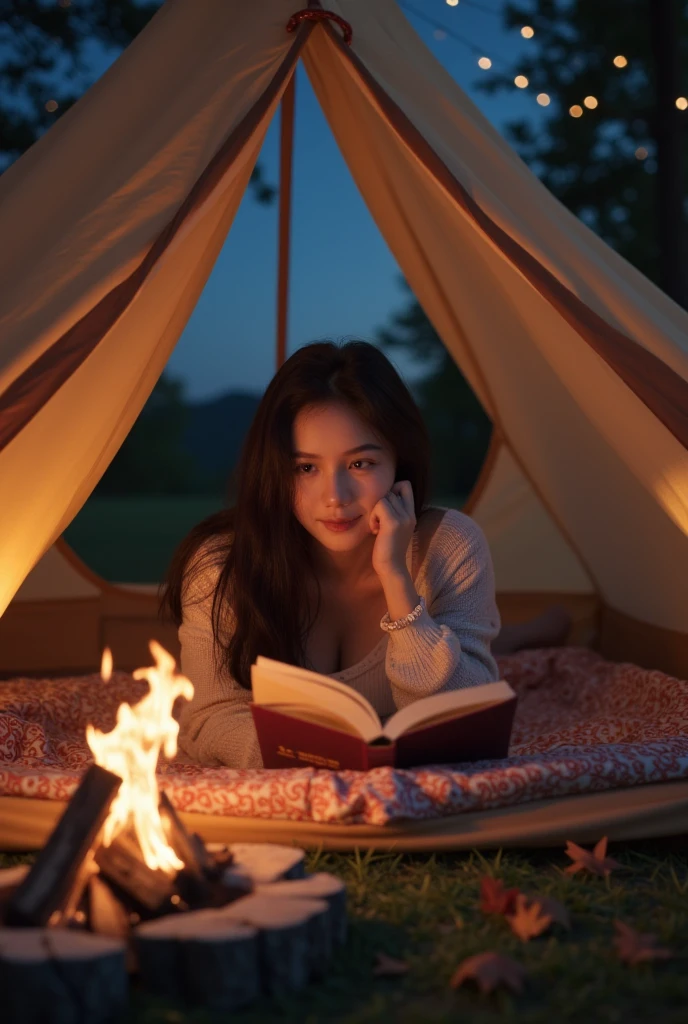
(583, 724)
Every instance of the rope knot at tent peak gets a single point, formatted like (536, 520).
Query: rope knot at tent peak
(318, 14)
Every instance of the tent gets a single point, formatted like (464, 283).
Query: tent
(112, 222)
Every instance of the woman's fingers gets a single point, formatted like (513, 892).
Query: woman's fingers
(402, 491)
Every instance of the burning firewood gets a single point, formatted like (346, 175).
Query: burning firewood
(49, 884)
(185, 915)
(201, 957)
(319, 886)
(60, 976)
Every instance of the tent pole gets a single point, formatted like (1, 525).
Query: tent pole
(286, 150)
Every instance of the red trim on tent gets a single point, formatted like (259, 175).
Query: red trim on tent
(40, 381)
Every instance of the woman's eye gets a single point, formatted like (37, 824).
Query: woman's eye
(359, 462)
(302, 466)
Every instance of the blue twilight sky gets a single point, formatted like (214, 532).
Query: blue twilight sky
(344, 279)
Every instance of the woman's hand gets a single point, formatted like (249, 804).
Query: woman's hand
(393, 520)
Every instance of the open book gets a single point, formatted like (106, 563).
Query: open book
(304, 718)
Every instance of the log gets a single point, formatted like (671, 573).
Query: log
(293, 942)
(265, 862)
(10, 879)
(49, 883)
(147, 892)
(180, 840)
(59, 976)
(201, 957)
(106, 914)
(321, 886)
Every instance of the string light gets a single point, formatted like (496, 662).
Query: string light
(543, 99)
(453, 3)
(527, 32)
(620, 62)
(641, 153)
(576, 110)
(51, 106)
(682, 103)
(521, 81)
(485, 63)
(590, 102)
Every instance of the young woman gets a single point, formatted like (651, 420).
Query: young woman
(331, 558)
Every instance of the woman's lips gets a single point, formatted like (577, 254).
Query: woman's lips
(339, 525)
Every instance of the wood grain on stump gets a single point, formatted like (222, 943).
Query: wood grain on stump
(322, 886)
(201, 957)
(266, 862)
(294, 938)
(58, 976)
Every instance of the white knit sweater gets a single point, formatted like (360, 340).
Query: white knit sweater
(446, 648)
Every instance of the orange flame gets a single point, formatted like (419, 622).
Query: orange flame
(106, 664)
(131, 750)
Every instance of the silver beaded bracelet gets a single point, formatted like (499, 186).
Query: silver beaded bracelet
(405, 620)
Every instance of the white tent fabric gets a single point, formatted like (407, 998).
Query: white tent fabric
(581, 362)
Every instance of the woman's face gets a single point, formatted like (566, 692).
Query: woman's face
(342, 470)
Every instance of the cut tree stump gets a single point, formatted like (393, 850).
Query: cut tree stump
(59, 976)
(322, 886)
(265, 862)
(294, 941)
(201, 957)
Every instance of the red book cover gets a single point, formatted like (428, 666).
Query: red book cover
(288, 742)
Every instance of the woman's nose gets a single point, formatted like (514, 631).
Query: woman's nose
(337, 487)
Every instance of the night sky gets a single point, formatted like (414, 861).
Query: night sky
(344, 279)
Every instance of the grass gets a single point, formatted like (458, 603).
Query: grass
(132, 539)
(398, 902)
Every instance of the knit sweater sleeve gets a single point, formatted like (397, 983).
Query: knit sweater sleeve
(216, 726)
(448, 646)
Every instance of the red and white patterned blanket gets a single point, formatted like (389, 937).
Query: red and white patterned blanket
(582, 725)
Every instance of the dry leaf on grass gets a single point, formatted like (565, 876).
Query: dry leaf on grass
(596, 861)
(494, 898)
(488, 970)
(548, 905)
(634, 947)
(388, 966)
(528, 920)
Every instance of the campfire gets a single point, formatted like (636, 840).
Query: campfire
(122, 891)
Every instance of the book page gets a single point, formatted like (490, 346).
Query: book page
(318, 716)
(274, 682)
(441, 705)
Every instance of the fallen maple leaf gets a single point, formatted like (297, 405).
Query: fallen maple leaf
(597, 862)
(556, 910)
(494, 898)
(388, 966)
(634, 947)
(528, 920)
(489, 970)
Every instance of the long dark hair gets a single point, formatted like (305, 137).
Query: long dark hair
(266, 554)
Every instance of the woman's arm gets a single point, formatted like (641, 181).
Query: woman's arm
(216, 726)
(448, 646)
